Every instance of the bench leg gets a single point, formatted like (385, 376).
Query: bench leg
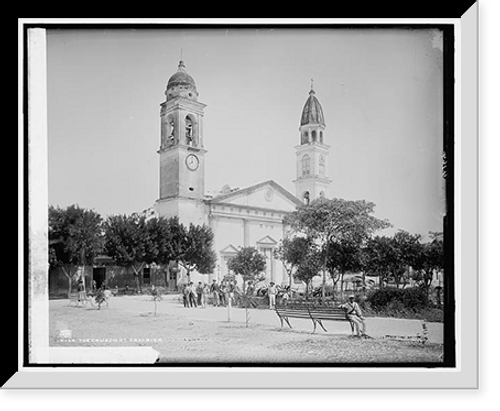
(320, 323)
(286, 320)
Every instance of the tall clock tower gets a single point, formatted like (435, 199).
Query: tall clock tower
(312, 154)
(182, 156)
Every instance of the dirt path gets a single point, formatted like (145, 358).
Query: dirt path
(189, 335)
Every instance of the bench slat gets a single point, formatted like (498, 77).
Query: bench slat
(338, 314)
(327, 315)
(328, 312)
(331, 319)
(307, 310)
(293, 311)
(305, 315)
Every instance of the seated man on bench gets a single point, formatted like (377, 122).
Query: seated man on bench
(354, 314)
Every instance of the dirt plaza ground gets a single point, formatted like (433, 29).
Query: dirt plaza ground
(197, 335)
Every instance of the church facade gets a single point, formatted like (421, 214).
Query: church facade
(251, 216)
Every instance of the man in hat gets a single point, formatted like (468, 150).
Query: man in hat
(215, 290)
(271, 292)
(81, 291)
(354, 314)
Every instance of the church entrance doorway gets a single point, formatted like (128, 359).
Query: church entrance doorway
(99, 276)
(173, 271)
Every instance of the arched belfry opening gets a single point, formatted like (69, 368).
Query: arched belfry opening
(313, 136)
(191, 133)
(306, 197)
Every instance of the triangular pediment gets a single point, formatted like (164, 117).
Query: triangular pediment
(268, 194)
(267, 240)
(230, 249)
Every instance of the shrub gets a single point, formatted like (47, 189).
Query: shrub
(414, 298)
(396, 298)
(380, 299)
(407, 303)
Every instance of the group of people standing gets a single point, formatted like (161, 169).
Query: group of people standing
(194, 296)
(222, 293)
(197, 296)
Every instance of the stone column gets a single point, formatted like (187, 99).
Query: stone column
(246, 233)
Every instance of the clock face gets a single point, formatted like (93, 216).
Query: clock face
(192, 162)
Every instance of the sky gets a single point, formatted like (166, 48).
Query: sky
(380, 89)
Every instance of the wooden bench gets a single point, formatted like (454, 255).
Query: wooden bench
(312, 311)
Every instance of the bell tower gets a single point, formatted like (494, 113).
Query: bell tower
(312, 179)
(182, 162)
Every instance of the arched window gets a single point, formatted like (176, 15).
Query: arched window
(313, 135)
(306, 166)
(169, 138)
(306, 197)
(305, 137)
(321, 165)
(321, 137)
(191, 131)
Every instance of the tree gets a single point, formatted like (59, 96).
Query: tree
(343, 256)
(393, 256)
(58, 233)
(133, 242)
(75, 238)
(162, 235)
(194, 248)
(333, 221)
(291, 251)
(336, 219)
(127, 242)
(249, 263)
(156, 297)
(408, 250)
(429, 259)
(376, 252)
(309, 266)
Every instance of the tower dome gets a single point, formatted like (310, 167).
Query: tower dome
(181, 84)
(312, 180)
(312, 113)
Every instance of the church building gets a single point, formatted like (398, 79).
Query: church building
(251, 216)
